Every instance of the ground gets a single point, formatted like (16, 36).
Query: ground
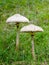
(37, 11)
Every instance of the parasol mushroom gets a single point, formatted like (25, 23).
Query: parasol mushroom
(17, 18)
(31, 29)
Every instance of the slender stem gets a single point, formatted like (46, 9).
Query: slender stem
(33, 52)
(17, 37)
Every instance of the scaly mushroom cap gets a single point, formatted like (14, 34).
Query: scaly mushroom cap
(17, 18)
(31, 28)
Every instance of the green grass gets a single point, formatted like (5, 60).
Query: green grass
(38, 13)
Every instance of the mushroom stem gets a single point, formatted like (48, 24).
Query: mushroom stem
(33, 52)
(17, 38)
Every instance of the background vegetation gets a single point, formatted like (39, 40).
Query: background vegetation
(37, 11)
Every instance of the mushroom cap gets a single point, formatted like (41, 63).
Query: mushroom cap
(31, 28)
(17, 18)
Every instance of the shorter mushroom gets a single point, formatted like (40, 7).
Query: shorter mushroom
(32, 29)
(17, 18)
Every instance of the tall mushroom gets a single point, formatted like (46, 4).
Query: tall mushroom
(32, 29)
(17, 18)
